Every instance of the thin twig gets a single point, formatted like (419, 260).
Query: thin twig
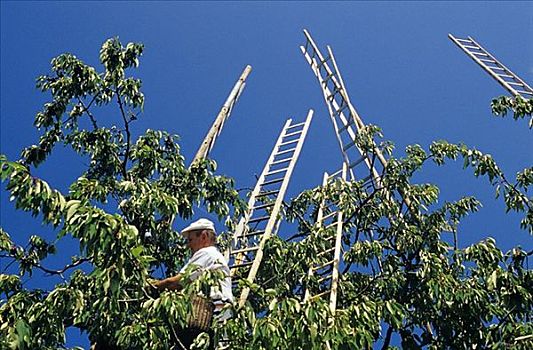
(9, 264)
(128, 137)
(86, 110)
(61, 271)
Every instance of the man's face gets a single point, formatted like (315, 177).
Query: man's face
(196, 240)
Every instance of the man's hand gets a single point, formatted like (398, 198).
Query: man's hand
(171, 283)
(152, 288)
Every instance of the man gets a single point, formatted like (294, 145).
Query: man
(201, 240)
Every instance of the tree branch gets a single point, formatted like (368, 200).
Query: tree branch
(10, 263)
(64, 269)
(86, 110)
(387, 338)
(128, 136)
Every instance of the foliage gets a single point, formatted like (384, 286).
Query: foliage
(521, 107)
(403, 275)
(145, 179)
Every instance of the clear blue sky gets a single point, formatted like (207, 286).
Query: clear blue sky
(399, 67)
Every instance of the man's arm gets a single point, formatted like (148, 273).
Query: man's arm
(170, 283)
(175, 282)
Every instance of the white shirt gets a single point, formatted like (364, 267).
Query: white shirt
(209, 258)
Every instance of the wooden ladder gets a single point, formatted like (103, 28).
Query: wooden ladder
(346, 121)
(323, 274)
(362, 161)
(503, 75)
(262, 218)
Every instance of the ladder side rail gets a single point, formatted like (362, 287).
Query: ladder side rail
(358, 120)
(343, 91)
(339, 86)
(319, 217)
(313, 45)
(331, 106)
(351, 133)
(325, 92)
(514, 75)
(333, 261)
(502, 82)
(239, 231)
(277, 206)
(214, 131)
(485, 67)
(251, 202)
(333, 74)
(337, 255)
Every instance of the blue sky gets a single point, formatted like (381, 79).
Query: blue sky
(400, 69)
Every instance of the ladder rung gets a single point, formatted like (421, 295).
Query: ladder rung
(276, 171)
(246, 264)
(323, 62)
(341, 108)
(330, 215)
(325, 251)
(319, 295)
(284, 160)
(327, 78)
(288, 142)
(479, 53)
(464, 40)
(323, 265)
(487, 60)
(295, 125)
(263, 206)
(270, 182)
(325, 278)
(325, 272)
(357, 162)
(293, 133)
(369, 177)
(472, 47)
(329, 205)
(266, 193)
(513, 83)
(346, 126)
(244, 250)
(348, 146)
(525, 92)
(285, 151)
(259, 219)
(505, 75)
(335, 174)
(331, 96)
(331, 225)
(254, 233)
(496, 68)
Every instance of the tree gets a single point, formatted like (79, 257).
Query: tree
(146, 179)
(401, 275)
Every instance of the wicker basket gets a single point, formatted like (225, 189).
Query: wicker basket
(202, 313)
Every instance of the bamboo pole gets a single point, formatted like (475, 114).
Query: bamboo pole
(223, 115)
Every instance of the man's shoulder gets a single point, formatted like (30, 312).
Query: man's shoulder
(210, 251)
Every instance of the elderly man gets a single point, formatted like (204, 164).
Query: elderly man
(201, 240)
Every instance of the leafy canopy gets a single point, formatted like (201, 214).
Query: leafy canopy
(402, 274)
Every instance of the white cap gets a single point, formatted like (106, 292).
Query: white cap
(202, 224)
